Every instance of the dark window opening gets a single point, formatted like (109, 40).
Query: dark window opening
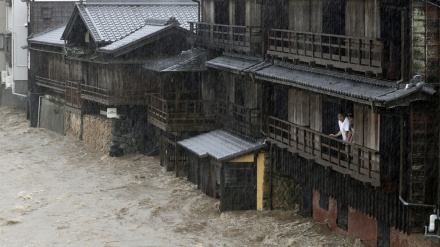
(324, 201)
(280, 99)
(240, 13)
(221, 12)
(46, 12)
(342, 216)
(333, 22)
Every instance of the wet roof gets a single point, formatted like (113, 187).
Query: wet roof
(234, 63)
(142, 33)
(112, 22)
(356, 88)
(220, 144)
(52, 37)
(190, 60)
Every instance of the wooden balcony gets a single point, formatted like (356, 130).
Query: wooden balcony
(58, 86)
(360, 54)
(73, 94)
(244, 120)
(229, 37)
(113, 97)
(351, 159)
(172, 115)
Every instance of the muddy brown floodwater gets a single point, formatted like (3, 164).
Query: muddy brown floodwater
(54, 191)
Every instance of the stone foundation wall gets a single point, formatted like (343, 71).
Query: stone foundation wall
(279, 192)
(286, 194)
(116, 137)
(72, 125)
(125, 136)
(96, 132)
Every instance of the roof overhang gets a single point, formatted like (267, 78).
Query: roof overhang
(355, 88)
(135, 40)
(191, 60)
(220, 145)
(233, 63)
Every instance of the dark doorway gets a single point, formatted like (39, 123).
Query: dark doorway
(221, 12)
(280, 102)
(240, 13)
(238, 186)
(391, 31)
(333, 22)
(277, 14)
(342, 215)
(333, 17)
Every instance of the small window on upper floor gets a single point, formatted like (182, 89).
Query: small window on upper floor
(46, 12)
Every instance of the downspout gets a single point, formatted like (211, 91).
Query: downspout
(198, 14)
(39, 110)
(401, 174)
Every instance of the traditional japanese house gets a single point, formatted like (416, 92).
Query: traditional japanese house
(342, 56)
(314, 59)
(224, 162)
(97, 69)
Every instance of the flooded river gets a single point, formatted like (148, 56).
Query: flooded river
(54, 191)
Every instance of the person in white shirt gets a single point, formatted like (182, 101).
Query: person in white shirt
(344, 127)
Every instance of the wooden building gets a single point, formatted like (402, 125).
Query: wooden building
(95, 63)
(296, 65)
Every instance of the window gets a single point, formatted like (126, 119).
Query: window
(46, 12)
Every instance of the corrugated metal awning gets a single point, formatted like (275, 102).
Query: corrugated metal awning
(191, 60)
(383, 93)
(232, 63)
(220, 144)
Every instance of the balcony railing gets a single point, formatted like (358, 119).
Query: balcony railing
(228, 37)
(113, 97)
(357, 161)
(73, 93)
(353, 53)
(244, 120)
(58, 86)
(170, 114)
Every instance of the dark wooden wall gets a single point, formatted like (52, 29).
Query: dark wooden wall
(385, 207)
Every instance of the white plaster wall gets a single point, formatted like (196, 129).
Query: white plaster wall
(19, 39)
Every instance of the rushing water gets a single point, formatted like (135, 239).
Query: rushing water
(54, 191)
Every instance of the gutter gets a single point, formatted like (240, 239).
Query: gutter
(409, 204)
(198, 14)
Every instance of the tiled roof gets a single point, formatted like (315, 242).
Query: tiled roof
(133, 37)
(52, 37)
(220, 144)
(357, 89)
(191, 60)
(112, 22)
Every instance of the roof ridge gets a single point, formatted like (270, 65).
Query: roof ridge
(93, 24)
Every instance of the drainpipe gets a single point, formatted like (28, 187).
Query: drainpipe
(198, 3)
(39, 110)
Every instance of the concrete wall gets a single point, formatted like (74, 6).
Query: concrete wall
(11, 100)
(51, 116)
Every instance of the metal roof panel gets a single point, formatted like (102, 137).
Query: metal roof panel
(220, 144)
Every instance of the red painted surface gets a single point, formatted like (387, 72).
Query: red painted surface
(364, 227)
(400, 239)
